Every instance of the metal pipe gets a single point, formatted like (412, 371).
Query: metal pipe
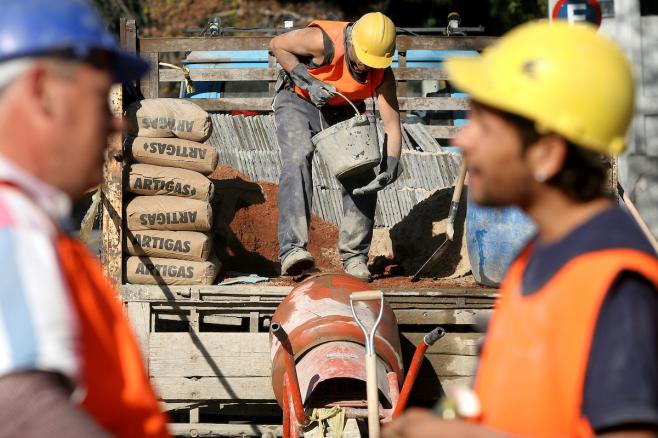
(298, 407)
(428, 340)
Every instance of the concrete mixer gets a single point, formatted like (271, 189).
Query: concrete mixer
(319, 346)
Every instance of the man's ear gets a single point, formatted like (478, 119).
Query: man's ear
(38, 91)
(546, 156)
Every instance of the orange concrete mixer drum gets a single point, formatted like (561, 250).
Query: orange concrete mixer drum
(328, 345)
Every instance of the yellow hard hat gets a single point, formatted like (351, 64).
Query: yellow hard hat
(567, 78)
(373, 39)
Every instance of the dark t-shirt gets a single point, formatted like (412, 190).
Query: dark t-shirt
(621, 384)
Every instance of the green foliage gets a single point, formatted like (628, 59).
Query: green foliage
(169, 17)
(510, 13)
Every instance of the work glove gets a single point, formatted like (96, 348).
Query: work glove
(318, 91)
(389, 170)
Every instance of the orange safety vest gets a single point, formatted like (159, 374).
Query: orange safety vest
(118, 395)
(534, 362)
(337, 72)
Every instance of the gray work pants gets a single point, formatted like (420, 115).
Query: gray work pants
(297, 120)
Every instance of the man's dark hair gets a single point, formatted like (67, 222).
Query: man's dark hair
(583, 175)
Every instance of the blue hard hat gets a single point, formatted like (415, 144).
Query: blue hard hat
(71, 28)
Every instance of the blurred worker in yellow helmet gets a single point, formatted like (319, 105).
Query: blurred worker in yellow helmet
(572, 345)
(326, 57)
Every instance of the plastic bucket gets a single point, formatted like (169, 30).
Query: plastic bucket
(351, 146)
(494, 237)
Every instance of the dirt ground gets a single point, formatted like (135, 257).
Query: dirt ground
(246, 216)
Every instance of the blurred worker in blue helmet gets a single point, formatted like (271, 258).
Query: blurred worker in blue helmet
(69, 364)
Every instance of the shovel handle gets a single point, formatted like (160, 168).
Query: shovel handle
(373, 396)
(367, 295)
(459, 182)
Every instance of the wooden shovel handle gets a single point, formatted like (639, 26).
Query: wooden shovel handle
(367, 295)
(373, 396)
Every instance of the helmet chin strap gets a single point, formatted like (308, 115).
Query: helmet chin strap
(350, 58)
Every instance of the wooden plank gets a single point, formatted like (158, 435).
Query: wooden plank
(178, 44)
(265, 103)
(438, 131)
(222, 320)
(245, 293)
(271, 63)
(112, 199)
(434, 389)
(450, 365)
(150, 85)
(419, 74)
(434, 103)
(270, 74)
(208, 354)
(225, 430)
(253, 321)
(402, 85)
(220, 74)
(234, 355)
(450, 382)
(259, 388)
(407, 42)
(217, 388)
(404, 43)
(139, 314)
(441, 316)
(452, 343)
(235, 103)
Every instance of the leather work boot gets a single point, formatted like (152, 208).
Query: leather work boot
(358, 268)
(296, 262)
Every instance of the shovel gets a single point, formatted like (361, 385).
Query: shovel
(371, 358)
(450, 227)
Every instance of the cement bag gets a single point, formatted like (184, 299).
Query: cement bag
(147, 179)
(156, 270)
(173, 152)
(184, 245)
(168, 213)
(168, 118)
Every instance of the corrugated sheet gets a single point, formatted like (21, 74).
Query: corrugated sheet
(249, 145)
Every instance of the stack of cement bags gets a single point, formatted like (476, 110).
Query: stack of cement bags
(170, 220)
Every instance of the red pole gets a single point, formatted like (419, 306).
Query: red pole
(416, 361)
(286, 408)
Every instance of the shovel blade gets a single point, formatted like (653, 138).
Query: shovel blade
(431, 261)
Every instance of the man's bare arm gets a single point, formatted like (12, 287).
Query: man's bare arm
(389, 110)
(302, 42)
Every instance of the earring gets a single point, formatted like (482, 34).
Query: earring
(540, 176)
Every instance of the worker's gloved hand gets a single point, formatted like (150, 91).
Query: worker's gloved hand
(318, 91)
(389, 171)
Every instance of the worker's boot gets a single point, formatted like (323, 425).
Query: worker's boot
(297, 261)
(358, 268)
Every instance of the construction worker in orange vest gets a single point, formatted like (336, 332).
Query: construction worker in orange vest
(69, 363)
(324, 58)
(572, 345)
